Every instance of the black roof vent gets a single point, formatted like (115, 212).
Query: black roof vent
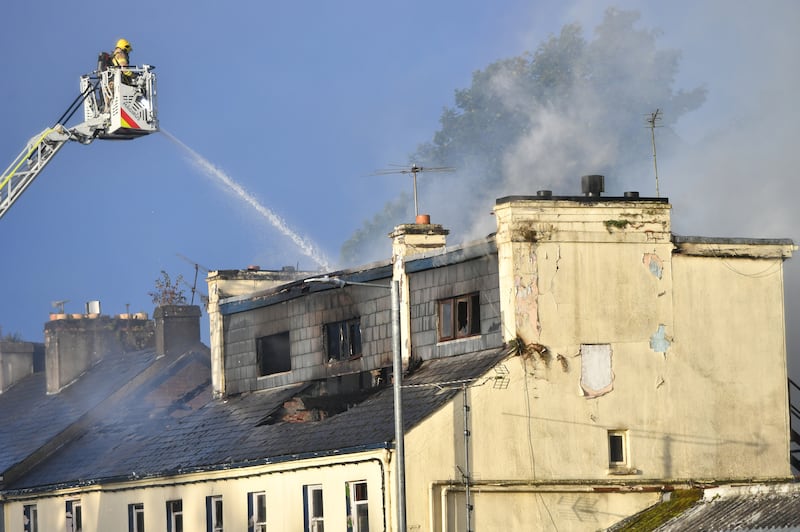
(544, 193)
(592, 185)
(631, 194)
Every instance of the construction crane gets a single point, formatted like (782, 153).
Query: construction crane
(119, 103)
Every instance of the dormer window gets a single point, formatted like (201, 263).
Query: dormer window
(459, 317)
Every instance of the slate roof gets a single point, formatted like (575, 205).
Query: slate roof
(29, 417)
(743, 508)
(172, 425)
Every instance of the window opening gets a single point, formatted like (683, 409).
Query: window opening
(617, 452)
(74, 516)
(136, 517)
(273, 354)
(357, 507)
(343, 339)
(257, 512)
(30, 519)
(314, 516)
(459, 317)
(175, 516)
(214, 513)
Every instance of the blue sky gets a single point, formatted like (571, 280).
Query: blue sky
(300, 102)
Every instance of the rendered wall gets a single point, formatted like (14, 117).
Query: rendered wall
(105, 508)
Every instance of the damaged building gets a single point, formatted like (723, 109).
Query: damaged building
(579, 366)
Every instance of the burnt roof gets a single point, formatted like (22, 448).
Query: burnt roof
(171, 425)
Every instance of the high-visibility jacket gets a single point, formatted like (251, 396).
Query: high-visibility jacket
(120, 59)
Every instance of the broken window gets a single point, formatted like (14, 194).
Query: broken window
(273, 354)
(459, 317)
(343, 339)
(617, 448)
(597, 378)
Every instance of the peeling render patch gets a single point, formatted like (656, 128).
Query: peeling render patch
(659, 342)
(653, 263)
(597, 377)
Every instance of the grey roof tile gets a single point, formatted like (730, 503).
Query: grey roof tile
(743, 508)
(152, 433)
(29, 417)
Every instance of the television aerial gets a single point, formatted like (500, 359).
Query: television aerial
(59, 305)
(414, 169)
(197, 268)
(653, 120)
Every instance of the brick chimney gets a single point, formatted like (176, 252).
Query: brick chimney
(177, 328)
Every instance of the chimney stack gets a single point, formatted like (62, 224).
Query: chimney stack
(592, 185)
(16, 362)
(177, 328)
(73, 345)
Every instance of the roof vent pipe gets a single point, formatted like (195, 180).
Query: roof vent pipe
(631, 194)
(544, 193)
(592, 185)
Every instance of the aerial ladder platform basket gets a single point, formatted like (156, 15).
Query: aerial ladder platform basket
(119, 103)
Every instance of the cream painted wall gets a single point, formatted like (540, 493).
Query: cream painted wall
(106, 508)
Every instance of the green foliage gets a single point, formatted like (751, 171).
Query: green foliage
(541, 120)
(655, 516)
(167, 292)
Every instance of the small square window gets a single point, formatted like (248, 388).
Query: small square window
(617, 448)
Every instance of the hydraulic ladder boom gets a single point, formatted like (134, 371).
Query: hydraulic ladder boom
(118, 104)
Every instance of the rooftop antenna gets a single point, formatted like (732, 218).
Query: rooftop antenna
(59, 305)
(197, 268)
(414, 169)
(652, 123)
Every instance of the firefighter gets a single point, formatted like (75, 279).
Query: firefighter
(121, 58)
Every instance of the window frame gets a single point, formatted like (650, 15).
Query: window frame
(135, 510)
(215, 513)
(349, 343)
(255, 523)
(175, 511)
(30, 518)
(621, 436)
(354, 504)
(448, 316)
(74, 515)
(273, 354)
(314, 516)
